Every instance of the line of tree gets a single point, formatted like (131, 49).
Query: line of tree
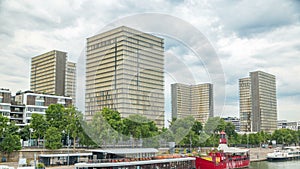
(107, 127)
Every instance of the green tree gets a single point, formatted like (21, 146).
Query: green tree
(25, 132)
(197, 127)
(39, 125)
(113, 118)
(139, 127)
(214, 125)
(73, 126)
(55, 116)
(230, 130)
(4, 122)
(10, 143)
(100, 131)
(180, 128)
(53, 138)
(85, 140)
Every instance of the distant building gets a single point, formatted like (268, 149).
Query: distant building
(70, 78)
(261, 95)
(48, 73)
(245, 104)
(125, 72)
(292, 125)
(192, 100)
(235, 121)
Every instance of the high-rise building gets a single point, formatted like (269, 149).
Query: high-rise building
(70, 85)
(263, 101)
(192, 100)
(125, 72)
(245, 104)
(48, 73)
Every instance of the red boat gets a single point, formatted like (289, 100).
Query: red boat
(225, 157)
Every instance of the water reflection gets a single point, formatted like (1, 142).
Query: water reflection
(275, 165)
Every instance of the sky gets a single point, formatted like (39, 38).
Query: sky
(244, 35)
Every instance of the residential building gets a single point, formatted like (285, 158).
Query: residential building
(235, 121)
(262, 96)
(48, 73)
(245, 104)
(70, 78)
(5, 97)
(192, 100)
(17, 114)
(31, 103)
(125, 72)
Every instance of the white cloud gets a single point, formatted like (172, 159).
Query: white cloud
(247, 36)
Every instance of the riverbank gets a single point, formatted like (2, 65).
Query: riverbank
(259, 154)
(256, 155)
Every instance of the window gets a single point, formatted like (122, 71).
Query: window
(39, 101)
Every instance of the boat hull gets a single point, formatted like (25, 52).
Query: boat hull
(225, 164)
(278, 159)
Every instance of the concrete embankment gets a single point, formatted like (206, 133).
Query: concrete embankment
(259, 154)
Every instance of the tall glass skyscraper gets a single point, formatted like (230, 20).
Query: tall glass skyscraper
(192, 100)
(125, 72)
(259, 91)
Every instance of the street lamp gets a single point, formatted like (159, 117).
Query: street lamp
(30, 131)
(68, 144)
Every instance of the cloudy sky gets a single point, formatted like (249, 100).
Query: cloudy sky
(245, 35)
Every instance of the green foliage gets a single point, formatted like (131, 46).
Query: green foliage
(39, 125)
(113, 118)
(197, 126)
(55, 116)
(100, 131)
(10, 143)
(85, 140)
(180, 128)
(9, 133)
(73, 126)
(139, 127)
(40, 166)
(213, 125)
(4, 122)
(230, 130)
(53, 138)
(286, 136)
(25, 132)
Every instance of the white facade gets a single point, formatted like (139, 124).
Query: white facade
(292, 125)
(36, 103)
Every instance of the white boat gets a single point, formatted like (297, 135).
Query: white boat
(6, 167)
(287, 153)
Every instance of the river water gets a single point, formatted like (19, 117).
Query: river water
(276, 165)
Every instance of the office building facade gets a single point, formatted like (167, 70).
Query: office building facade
(245, 104)
(70, 79)
(192, 100)
(48, 73)
(263, 102)
(125, 72)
